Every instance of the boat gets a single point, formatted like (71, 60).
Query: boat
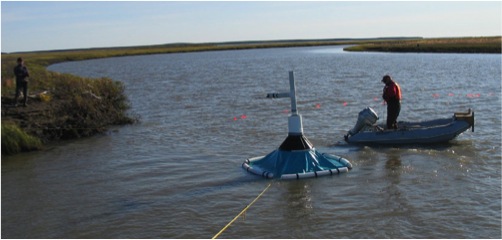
(367, 132)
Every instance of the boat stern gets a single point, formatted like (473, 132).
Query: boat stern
(467, 116)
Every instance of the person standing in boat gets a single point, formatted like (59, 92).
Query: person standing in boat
(392, 96)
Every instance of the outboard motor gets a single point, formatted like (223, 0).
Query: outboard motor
(367, 117)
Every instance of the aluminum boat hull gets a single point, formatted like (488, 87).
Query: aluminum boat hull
(426, 132)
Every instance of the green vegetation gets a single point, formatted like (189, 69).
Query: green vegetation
(435, 45)
(61, 106)
(65, 106)
(15, 140)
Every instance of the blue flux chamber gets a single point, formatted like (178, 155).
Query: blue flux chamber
(296, 157)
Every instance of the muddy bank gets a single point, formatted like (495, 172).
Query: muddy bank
(76, 108)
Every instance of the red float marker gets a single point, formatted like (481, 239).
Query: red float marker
(435, 95)
(243, 116)
(317, 106)
(345, 104)
(451, 94)
(472, 95)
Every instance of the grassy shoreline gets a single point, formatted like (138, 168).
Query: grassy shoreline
(64, 106)
(435, 45)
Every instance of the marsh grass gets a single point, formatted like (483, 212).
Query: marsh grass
(72, 106)
(436, 45)
(15, 140)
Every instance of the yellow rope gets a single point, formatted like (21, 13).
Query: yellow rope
(242, 212)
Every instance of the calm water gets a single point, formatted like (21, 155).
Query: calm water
(177, 174)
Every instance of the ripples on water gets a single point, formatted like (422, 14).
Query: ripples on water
(177, 173)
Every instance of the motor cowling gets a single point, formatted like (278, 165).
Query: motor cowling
(366, 117)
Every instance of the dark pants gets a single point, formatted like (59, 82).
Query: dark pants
(393, 109)
(21, 85)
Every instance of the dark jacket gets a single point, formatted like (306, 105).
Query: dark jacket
(21, 72)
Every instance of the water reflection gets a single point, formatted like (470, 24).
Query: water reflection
(299, 208)
(299, 199)
(393, 163)
(395, 201)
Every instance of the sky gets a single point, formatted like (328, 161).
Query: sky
(39, 25)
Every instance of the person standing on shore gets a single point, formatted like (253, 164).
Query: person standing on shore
(22, 75)
(392, 96)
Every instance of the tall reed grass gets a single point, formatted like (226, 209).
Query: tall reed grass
(15, 140)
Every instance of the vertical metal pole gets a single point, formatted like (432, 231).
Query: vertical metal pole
(295, 126)
(292, 92)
